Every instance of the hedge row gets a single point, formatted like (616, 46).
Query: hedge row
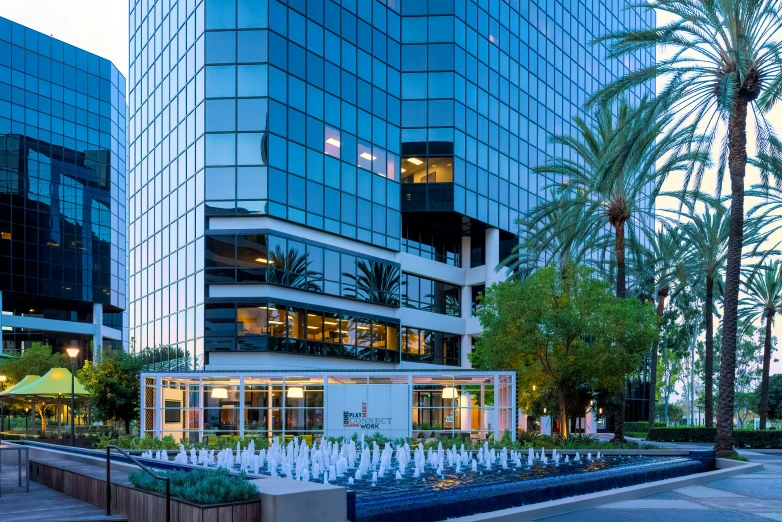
(642, 426)
(768, 439)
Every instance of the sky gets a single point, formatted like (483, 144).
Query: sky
(101, 27)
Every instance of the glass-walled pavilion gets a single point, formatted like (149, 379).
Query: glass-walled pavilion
(312, 404)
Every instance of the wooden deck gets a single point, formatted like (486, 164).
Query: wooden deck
(42, 504)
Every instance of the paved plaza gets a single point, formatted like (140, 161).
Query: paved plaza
(751, 497)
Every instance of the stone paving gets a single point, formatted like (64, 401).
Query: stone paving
(751, 497)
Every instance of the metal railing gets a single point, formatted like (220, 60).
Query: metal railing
(133, 459)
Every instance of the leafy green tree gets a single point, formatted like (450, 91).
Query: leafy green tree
(563, 331)
(114, 386)
(673, 413)
(36, 360)
(724, 61)
(764, 300)
(775, 396)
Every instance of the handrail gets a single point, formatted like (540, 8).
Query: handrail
(167, 480)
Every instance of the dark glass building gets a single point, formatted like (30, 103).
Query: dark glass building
(331, 183)
(62, 195)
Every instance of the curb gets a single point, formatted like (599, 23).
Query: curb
(725, 468)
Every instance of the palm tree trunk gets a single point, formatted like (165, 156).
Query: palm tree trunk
(763, 406)
(737, 164)
(621, 283)
(621, 292)
(708, 364)
(653, 363)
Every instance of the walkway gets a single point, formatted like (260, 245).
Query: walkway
(743, 498)
(42, 504)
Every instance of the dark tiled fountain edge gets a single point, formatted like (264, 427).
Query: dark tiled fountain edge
(428, 506)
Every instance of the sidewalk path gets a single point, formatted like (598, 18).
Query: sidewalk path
(744, 498)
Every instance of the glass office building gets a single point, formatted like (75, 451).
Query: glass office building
(331, 183)
(62, 195)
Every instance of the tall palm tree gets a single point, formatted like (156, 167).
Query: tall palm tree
(292, 269)
(764, 300)
(724, 62)
(553, 239)
(375, 282)
(607, 174)
(656, 268)
(706, 234)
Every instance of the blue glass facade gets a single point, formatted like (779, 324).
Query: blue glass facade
(397, 126)
(62, 185)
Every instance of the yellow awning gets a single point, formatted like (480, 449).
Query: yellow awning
(21, 384)
(56, 382)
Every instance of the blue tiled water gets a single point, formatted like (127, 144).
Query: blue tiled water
(432, 498)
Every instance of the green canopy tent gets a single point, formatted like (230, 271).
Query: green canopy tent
(5, 394)
(21, 384)
(52, 387)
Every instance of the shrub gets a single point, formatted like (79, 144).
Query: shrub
(741, 438)
(639, 427)
(683, 434)
(200, 486)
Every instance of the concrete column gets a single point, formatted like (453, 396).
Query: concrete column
(464, 350)
(590, 423)
(466, 251)
(492, 255)
(465, 411)
(241, 406)
(466, 298)
(97, 338)
(545, 425)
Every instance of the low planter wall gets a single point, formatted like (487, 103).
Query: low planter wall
(135, 504)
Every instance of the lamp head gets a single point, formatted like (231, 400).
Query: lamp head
(72, 352)
(3, 378)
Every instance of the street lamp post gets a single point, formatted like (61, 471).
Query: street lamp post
(73, 353)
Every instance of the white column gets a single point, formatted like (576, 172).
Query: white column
(545, 425)
(241, 406)
(158, 408)
(492, 255)
(464, 351)
(590, 423)
(466, 251)
(97, 338)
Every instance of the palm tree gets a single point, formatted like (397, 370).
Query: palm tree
(764, 300)
(656, 269)
(553, 239)
(607, 175)
(724, 62)
(706, 235)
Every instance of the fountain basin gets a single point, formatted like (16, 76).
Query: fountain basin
(457, 496)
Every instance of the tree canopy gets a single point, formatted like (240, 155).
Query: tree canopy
(566, 331)
(114, 385)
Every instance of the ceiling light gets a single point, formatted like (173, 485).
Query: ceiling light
(367, 156)
(415, 161)
(449, 392)
(262, 260)
(275, 322)
(219, 393)
(403, 170)
(296, 392)
(311, 327)
(330, 322)
(333, 141)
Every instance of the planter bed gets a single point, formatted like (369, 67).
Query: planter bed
(87, 482)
